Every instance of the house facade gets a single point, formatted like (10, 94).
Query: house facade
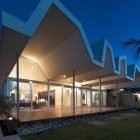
(48, 63)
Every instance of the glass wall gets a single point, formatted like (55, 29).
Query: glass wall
(24, 95)
(28, 69)
(96, 98)
(104, 98)
(55, 96)
(78, 97)
(43, 96)
(39, 96)
(67, 97)
(86, 94)
(88, 98)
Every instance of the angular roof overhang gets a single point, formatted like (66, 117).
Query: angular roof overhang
(54, 38)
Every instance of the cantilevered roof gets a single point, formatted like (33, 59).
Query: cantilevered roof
(51, 25)
(104, 57)
(55, 39)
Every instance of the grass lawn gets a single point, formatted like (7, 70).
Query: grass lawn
(124, 127)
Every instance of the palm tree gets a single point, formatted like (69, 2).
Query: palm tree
(134, 43)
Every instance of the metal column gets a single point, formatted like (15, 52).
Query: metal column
(62, 97)
(8, 87)
(91, 98)
(131, 102)
(76, 98)
(100, 95)
(31, 97)
(49, 96)
(117, 94)
(73, 91)
(81, 97)
(17, 81)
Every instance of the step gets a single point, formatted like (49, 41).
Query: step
(13, 137)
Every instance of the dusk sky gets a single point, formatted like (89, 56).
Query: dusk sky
(117, 20)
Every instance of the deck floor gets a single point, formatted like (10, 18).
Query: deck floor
(56, 113)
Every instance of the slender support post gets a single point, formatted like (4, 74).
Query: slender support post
(31, 97)
(91, 98)
(8, 87)
(100, 94)
(102, 99)
(131, 101)
(73, 91)
(76, 98)
(117, 94)
(81, 97)
(17, 82)
(49, 95)
(86, 97)
(62, 97)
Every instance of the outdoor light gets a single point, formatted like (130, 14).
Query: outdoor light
(10, 118)
(121, 89)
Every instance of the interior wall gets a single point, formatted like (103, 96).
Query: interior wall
(28, 69)
(67, 97)
(58, 95)
(88, 98)
(78, 97)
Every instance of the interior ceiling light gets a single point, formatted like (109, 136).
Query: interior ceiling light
(30, 82)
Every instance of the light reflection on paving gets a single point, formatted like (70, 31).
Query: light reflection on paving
(56, 113)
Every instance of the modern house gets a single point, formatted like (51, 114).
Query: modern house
(48, 63)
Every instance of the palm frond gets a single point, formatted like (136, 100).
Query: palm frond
(131, 42)
(137, 54)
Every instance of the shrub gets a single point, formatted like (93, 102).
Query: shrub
(5, 106)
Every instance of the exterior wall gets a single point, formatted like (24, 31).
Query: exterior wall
(111, 101)
(125, 100)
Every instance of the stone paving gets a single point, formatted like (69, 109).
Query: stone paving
(57, 113)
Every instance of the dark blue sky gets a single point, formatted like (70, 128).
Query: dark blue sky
(117, 20)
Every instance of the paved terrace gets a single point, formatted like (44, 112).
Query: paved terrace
(57, 113)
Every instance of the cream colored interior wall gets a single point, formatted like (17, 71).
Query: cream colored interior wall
(95, 98)
(28, 69)
(88, 97)
(24, 91)
(104, 98)
(58, 94)
(67, 97)
(138, 95)
(78, 97)
(13, 72)
(36, 88)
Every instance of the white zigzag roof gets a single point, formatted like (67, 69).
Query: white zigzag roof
(97, 52)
